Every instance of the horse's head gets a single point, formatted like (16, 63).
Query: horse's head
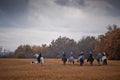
(36, 55)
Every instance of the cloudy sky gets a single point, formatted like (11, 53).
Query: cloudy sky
(37, 22)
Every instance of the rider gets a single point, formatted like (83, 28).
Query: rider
(81, 58)
(64, 57)
(39, 57)
(72, 55)
(99, 57)
(71, 58)
(90, 58)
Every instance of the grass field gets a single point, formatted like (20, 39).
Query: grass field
(53, 69)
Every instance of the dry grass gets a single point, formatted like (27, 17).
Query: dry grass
(53, 69)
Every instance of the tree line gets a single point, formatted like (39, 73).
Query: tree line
(108, 43)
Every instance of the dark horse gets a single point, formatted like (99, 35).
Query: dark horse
(64, 59)
(90, 59)
(81, 61)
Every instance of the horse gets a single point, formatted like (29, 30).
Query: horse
(91, 60)
(39, 59)
(71, 59)
(104, 62)
(81, 60)
(104, 59)
(64, 59)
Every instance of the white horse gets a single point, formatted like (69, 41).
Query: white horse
(71, 59)
(104, 59)
(36, 62)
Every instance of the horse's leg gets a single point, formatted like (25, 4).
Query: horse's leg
(81, 63)
(91, 63)
(41, 62)
(73, 62)
(105, 62)
(64, 62)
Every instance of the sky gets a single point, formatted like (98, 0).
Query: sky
(37, 22)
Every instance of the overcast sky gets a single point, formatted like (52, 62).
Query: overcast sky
(37, 22)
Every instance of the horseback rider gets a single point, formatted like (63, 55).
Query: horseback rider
(90, 58)
(99, 59)
(81, 58)
(71, 58)
(64, 58)
(39, 57)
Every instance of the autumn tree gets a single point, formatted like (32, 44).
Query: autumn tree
(23, 51)
(112, 46)
(110, 42)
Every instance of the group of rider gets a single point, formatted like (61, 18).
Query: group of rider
(101, 58)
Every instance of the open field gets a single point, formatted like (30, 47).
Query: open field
(53, 69)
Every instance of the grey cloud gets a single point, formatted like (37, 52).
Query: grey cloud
(62, 2)
(40, 18)
(12, 12)
(70, 2)
(115, 3)
(115, 11)
(11, 7)
(106, 7)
